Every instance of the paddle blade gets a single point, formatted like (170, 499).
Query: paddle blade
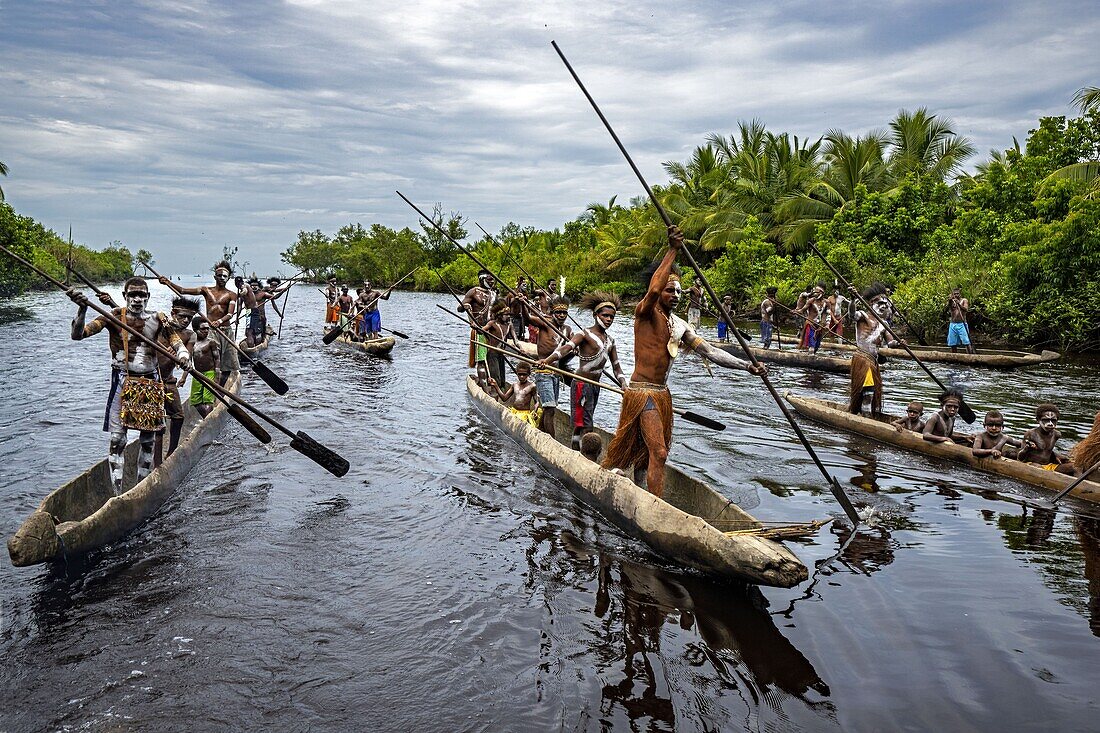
(272, 379)
(250, 425)
(967, 413)
(701, 420)
(319, 454)
(398, 334)
(332, 335)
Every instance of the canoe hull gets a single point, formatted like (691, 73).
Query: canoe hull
(681, 536)
(258, 349)
(380, 347)
(84, 514)
(987, 359)
(836, 415)
(791, 357)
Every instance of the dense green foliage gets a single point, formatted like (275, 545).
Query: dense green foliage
(46, 249)
(1020, 235)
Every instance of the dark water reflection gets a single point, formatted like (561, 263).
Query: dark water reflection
(447, 583)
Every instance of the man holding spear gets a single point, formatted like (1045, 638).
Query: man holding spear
(644, 435)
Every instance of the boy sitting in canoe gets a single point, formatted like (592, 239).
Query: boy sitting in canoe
(1039, 442)
(992, 441)
(591, 446)
(912, 420)
(521, 398)
(206, 356)
(940, 428)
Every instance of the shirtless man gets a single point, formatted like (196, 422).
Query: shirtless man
(477, 302)
(940, 428)
(912, 420)
(371, 326)
(695, 303)
(344, 303)
(332, 311)
(723, 327)
(1039, 443)
(133, 365)
(865, 377)
(958, 331)
(768, 316)
(594, 347)
(644, 435)
(552, 332)
(221, 304)
(499, 328)
(811, 306)
(207, 355)
(992, 441)
(518, 309)
(521, 397)
(255, 297)
(184, 310)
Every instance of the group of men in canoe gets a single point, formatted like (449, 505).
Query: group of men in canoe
(359, 316)
(144, 393)
(644, 434)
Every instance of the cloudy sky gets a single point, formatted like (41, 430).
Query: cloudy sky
(183, 125)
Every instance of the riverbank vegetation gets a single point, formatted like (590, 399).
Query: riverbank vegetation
(46, 249)
(1020, 234)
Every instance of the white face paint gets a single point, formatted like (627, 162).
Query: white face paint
(181, 317)
(881, 307)
(1047, 421)
(136, 301)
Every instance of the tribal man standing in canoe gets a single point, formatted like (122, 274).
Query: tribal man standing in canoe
(184, 310)
(553, 331)
(958, 330)
(332, 311)
(595, 347)
(478, 302)
(371, 326)
(136, 397)
(866, 379)
(644, 435)
(221, 304)
(811, 307)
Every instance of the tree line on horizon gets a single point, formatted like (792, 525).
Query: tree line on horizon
(1020, 233)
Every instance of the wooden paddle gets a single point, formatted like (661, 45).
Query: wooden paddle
(516, 354)
(260, 369)
(335, 331)
(300, 441)
(834, 485)
(965, 411)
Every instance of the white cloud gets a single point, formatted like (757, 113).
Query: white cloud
(180, 126)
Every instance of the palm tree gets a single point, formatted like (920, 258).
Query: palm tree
(925, 146)
(3, 172)
(1088, 99)
(1087, 171)
(852, 162)
(599, 215)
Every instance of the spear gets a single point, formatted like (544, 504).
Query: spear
(834, 485)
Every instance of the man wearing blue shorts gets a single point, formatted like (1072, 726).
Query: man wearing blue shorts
(958, 331)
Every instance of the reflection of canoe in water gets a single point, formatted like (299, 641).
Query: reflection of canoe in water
(380, 347)
(84, 514)
(792, 357)
(992, 359)
(674, 526)
(837, 415)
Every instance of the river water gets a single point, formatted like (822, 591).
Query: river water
(447, 583)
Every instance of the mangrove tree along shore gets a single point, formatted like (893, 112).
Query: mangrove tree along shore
(48, 250)
(1020, 235)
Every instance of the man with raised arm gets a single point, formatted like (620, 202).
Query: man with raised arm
(644, 435)
(221, 304)
(136, 397)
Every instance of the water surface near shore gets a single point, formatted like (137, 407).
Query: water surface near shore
(448, 583)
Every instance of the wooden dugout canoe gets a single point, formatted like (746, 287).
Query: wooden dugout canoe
(990, 359)
(674, 526)
(791, 357)
(881, 430)
(255, 351)
(380, 347)
(84, 514)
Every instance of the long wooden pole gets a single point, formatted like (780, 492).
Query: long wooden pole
(834, 485)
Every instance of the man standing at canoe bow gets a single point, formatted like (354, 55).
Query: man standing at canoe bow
(221, 304)
(644, 435)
